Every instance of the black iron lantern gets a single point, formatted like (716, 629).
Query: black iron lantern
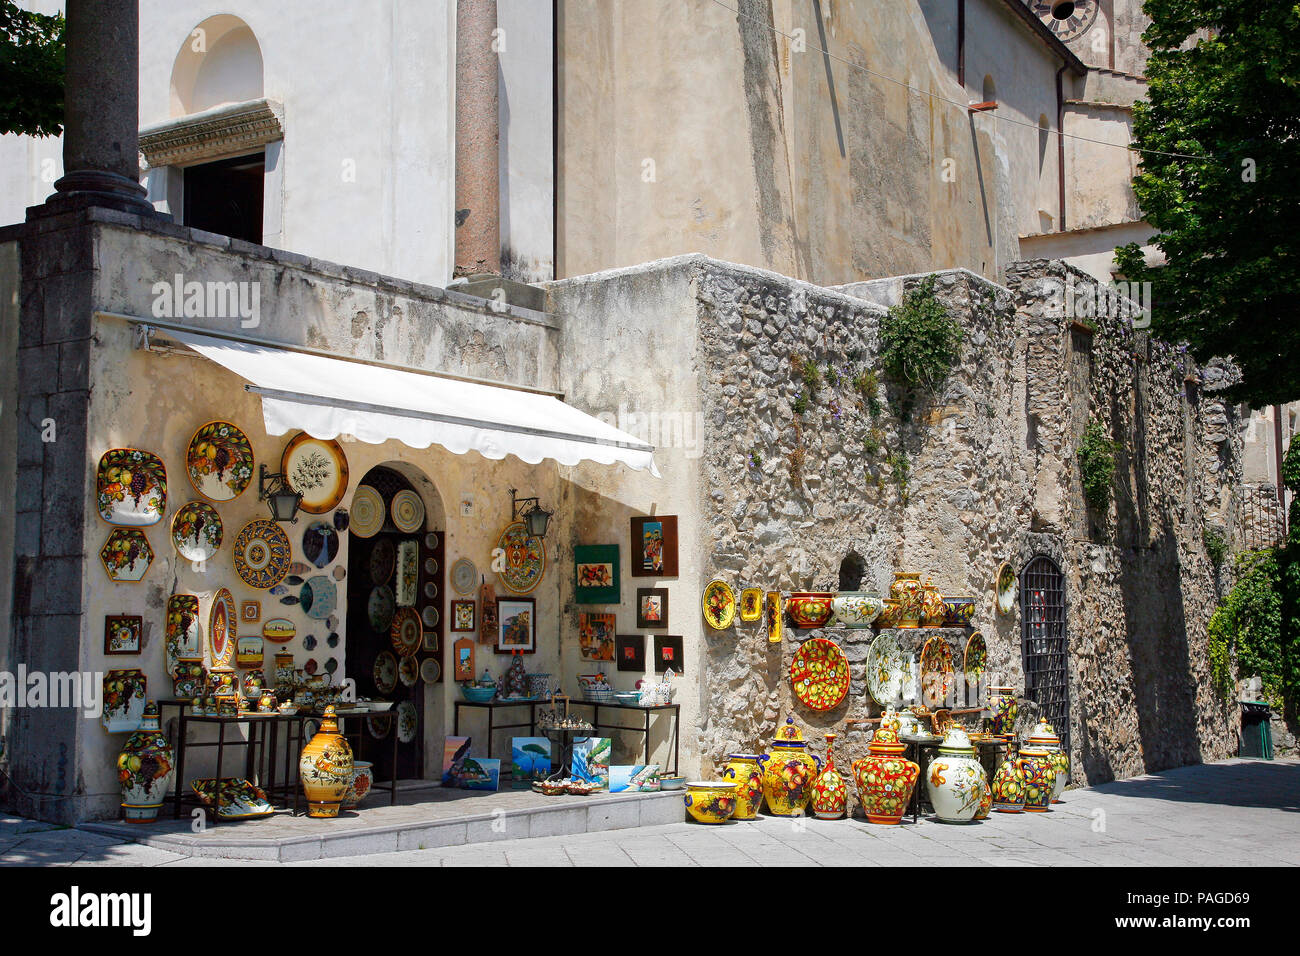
(279, 496)
(535, 518)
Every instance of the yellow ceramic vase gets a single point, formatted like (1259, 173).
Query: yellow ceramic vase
(746, 772)
(326, 768)
(906, 590)
(789, 772)
(933, 610)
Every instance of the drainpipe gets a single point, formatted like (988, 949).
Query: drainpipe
(961, 43)
(1060, 143)
(478, 195)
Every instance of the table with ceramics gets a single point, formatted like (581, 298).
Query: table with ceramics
(674, 712)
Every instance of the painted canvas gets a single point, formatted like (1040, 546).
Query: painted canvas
(595, 574)
(654, 546)
(651, 607)
(591, 760)
(596, 636)
(634, 778)
(629, 649)
(480, 773)
(530, 759)
(454, 752)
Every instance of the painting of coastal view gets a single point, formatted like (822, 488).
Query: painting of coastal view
(530, 759)
(480, 773)
(591, 760)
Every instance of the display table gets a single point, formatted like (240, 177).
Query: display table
(921, 750)
(491, 707)
(360, 735)
(675, 710)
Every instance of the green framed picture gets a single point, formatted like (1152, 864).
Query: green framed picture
(595, 574)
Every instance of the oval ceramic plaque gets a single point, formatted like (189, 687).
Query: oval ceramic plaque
(318, 597)
(719, 604)
(222, 628)
(936, 672)
(279, 630)
(525, 559)
(464, 576)
(406, 632)
(385, 672)
(976, 658)
(320, 543)
(197, 531)
(219, 461)
(888, 669)
(380, 608)
(132, 487)
(317, 469)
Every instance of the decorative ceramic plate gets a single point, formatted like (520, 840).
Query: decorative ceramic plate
(317, 469)
(380, 727)
(126, 554)
(368, 513)
(319, 597)
(235, 798)
(132, 487)
(383, 561)
(406, 632)
(751, 604)
(936, 672)
(408, 671)
(820, 674)
(430, 670)
(1005, 588)
(223, 628)
(525, 559)
(341, 520)
(385, 672)
(279, 630)
(320, 543)
(311, 666)
(407, 510)
(772, 617)
(430, 616)
(430, 590)
(976, 659)
(408, 573)
(464, 576)
(719, 603)
(262, 553)
(339, 572)
(407, 721)
(219, 461)
(888, 670)
(184, 632)
(380, 608)
(430, 566)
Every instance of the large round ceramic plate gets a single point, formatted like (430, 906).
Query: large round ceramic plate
(368, 513)
(820, 674)
(320, 543)
(719, 604)
(197, 531)
(888, 670)
(936, 672)
(525, 559)
(407, 722)
(318, 597)
(262, 553)
(132, 487)
(464, 576)
(380, 607)
(407, 510)
(406, 632)
(317, 469)
(380, 727)
(222, 628)
(976, 659)
(219, 461)
(385, 672)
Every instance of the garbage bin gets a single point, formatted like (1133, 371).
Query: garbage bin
(1256, 734)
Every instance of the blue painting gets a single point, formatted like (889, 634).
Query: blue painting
(530, 759)
(634, 778)
(454, 752)
(591, 760)
(480, 773)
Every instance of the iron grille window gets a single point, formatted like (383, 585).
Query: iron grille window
(1044, 645)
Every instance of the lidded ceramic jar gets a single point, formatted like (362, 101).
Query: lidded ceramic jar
(956, 779)
(856, 608)
(789, 772)
(1003, 710)
(830, 797)
(145, 768)
(746, 772)
(1009, 786)
(325, 766)
(906, 590)
(1043, 737)
(885, 778)
(1040, 777)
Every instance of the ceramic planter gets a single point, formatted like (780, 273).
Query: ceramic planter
(746, 772)
(856, 608)
(830, 797)
(885, 778)
(1009, 786)
(363, 777)
(956, 781)
(1043, 737)
(144, 769)
(710, 802)
(810, 608)
(906, 590)
(789, 772)
(325, 766)
(958, 610)
(1040, 778)
(1003, 711)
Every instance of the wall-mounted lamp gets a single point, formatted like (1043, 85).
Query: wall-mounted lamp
(282, 499)
(535, 518)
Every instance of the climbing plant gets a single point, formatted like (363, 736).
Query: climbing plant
(1097, 464)
(919, 341)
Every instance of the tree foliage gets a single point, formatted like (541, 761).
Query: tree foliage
(31, 71)
(1224, 89)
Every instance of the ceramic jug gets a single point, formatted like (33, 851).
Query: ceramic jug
(830, 797)
(1043, 737)
(144, 769)
(746, 772)
(789, 772)
(956, 779)
(885, 778)
(326, 768)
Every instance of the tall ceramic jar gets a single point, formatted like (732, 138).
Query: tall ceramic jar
(933, 610)
(956, 779)
(144, 769)
(885, 778)
(906, 590)
(325, 766)
(1003, 711)
(789, 772)
(746, 771)
(830, 797)
(1043, 737)
(1009, 786)
(1040, 777)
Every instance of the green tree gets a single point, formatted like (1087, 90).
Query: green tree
(31, 71)
(1224, 96)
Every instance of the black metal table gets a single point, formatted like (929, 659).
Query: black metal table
(674, 709)
(919, 746)
(360, 735)
(491, 706)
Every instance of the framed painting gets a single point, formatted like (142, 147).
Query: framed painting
(654, 547)
(651, 607)
(596, 636)
(668, 653)
(462, 616)
(595, 574)
(629, 652)
(463, 655)
(122, 633)
(516, 625)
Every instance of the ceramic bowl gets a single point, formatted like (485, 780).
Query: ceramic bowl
(363, 777)
(960, 610)
(477, 695)
(379, 706)
(856, 608)
(810, 608)
(710, 801)
(672, 783)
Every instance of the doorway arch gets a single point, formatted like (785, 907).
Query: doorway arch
(1044, 642)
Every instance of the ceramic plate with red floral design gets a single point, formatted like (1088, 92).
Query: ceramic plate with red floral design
(820, 674)
(719, 604)
(936, 672)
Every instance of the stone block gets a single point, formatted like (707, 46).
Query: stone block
(38, 369)
(614, 814)
(56, 586)
(427, 838)
(562, 822)
(66, 307)
(74, 366)
(360, 844)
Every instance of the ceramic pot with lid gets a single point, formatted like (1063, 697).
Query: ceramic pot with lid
(789, 772)
(956, 779)
(885, 778)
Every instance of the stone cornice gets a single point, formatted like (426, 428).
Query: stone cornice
(221, 131)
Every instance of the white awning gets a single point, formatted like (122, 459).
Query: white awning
(327, 397)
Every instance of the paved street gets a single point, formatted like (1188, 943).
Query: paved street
(1234, 813)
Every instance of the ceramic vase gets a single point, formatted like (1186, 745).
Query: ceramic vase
(933, 610)
(810, 608)
(325, 767)
(888, 614)
(906, 590)
(986, 801)
(363, 777)
(1003, 711)
(885, 778)
(1043, 737)
(746, 772)
(144, 769)
(789, 772)
(1009, 786)
(1040, 778)
(956, 781)
(830, 797)
(710, 801)
(856, 608)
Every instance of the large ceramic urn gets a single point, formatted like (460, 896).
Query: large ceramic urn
(1040, 777)
(830, 796)
(789, 772)
(746, 772)
(1009, 786)
(885, 778)
(1043, 737)
(1003, 710)
(956, 779)
(326, 768)
(144, 769)
(906, 590)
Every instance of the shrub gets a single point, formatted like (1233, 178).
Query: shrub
(919, 341)
(1216, 544)
(1097, 464)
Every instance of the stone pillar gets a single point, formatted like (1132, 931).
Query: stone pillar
(478, 214)
(101, 106)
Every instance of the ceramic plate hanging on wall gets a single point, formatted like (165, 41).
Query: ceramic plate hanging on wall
(430, 670)
(262, 553)
(383, 561)
(126, 555)
(320, 543)
(408, 671)
(197, 531)
(820, 674)
(380, 607)
(772, 617)
(464, 576)
(406, 632)
(317, 469)
(281, 630)
(318, 597)
(888, 670)
(223, 628)
(385, 672)
(367, 515)
(408, 511)
(751, 604)
(976, 659)
(936, 672)
(408, 573)
(1005, 588)
(407, 721)
(219, 461)
(719, 603)
(430, 616)
(525, 559)
(132, 487)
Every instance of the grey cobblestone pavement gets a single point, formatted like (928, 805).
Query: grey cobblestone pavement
(1233, 813)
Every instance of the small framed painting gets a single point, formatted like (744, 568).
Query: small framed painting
(595, 571)
(250, 611)
(654, 547)
(462, 616)
(651, 607)
(596, 636)
(122, 633)
(668, 653)
(463, 659)
(516, 625)
(629, 652)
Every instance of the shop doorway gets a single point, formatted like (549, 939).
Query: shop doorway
(1044, 643)
(396, 539)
